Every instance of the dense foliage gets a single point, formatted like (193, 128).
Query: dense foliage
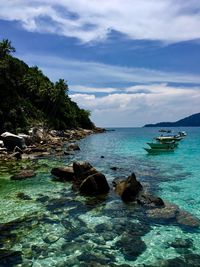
(28, 97)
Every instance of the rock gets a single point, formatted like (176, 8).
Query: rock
(88, 180)
(23, 196)
(42, 199)
(94, 184)
(11, 141)
(73, 147)
(37, 150)
(181, 243)
(185, 218)
(10, 257)
(131, 246)
(102, 157)
(82, 169)
(24, 174)
(27, 138)
(36, 134)
(114, 168)
(68, 153)
(148, 200)
(16, 155)
(64, 173)
(50, 238)
(186, 260)
(168, 212)
(128, 189)
(173, 212)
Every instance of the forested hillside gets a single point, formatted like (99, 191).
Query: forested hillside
(29, 98)
(190, 121)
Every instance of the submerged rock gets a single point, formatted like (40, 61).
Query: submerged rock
(173, 213)
(23, 196)
(10, 258)
(185, 218)
(168, 212)
(149, 200)
(24, 174)
(131, 246)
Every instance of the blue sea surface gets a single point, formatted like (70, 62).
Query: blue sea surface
(58, 227)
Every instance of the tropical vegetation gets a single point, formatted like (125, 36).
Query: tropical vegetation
(29, 98)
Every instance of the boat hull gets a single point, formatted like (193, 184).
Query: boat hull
(158, 151)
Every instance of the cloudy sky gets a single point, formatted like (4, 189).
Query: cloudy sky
(130, 62)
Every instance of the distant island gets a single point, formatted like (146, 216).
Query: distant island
(193, 120)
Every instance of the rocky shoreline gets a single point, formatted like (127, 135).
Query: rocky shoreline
(42, 143)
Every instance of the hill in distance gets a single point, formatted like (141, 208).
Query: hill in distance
(193, 120)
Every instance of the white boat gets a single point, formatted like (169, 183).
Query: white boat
(166, 138)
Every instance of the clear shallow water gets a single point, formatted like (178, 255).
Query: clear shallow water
(58, 227)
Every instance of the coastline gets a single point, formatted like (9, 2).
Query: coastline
(41, 143)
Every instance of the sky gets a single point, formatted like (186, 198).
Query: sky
(130, 62)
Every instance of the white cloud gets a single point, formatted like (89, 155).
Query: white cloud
(161, 103)
(87, 89)
(82, 73)
(164, 20)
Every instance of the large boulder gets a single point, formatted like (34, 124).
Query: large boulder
(82, 169)
(88, 180)
(12, 140)
(63, 173)
(128, 189)
(94, 184)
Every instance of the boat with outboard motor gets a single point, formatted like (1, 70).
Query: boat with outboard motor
(168, 138)
(163, 145)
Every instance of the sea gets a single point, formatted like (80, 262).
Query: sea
(52, 225)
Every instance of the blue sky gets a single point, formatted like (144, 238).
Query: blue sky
(129, 62)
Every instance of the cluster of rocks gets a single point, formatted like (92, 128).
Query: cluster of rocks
(88, 181)
(85, 178)
(41, 142)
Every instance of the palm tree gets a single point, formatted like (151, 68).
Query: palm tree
(6, 48)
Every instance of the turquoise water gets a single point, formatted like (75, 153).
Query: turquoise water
(58, 227)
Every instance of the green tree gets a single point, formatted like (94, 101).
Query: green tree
(6, 48)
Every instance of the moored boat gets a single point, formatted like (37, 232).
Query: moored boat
(158, 151)
(182, 133)
(175, 138)
(165, 131)
(163, 145)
